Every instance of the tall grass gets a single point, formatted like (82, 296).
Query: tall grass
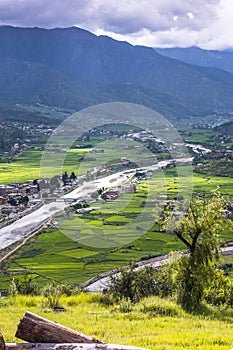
(153, 323)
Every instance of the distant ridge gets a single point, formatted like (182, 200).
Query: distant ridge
(205, 58)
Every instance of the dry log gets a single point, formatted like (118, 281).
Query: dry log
(82, 346)
(36, 329)
(2, 342)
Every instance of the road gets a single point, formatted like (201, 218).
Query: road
(100, 282)
(23, 227)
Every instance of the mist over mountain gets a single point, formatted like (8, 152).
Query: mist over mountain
(73, 68)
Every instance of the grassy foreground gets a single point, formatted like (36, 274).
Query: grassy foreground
(153, 323)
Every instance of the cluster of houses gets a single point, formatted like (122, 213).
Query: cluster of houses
(32, 133)
(17, 195)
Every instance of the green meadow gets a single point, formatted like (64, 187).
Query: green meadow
(154, 323)
(27, 165)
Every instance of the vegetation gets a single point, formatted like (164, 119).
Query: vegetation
(152, 323)
(200, 231)
(52, 255)
(8, 137)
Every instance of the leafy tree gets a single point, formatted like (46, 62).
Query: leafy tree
(12, 201)
(200, 231)
(25, 200)
(65, 178)
(73, 177)
(35, 182)
(102, 193)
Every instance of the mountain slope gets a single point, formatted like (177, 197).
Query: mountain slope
(74, 68)
(226, 128)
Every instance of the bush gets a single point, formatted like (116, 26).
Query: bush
(69, 289)
(221, 290)
(27, 286)
(53, 295)
(106, 299)
(158, 307)
(123, 285)
(133, 285)
(169, 275)
(125, 305)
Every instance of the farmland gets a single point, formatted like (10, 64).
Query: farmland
(54, 256)
(27, 166)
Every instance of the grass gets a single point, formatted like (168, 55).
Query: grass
(153, 323)
(27, 166)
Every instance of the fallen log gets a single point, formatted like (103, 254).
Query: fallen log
(70, 346)
(35, 329)
(2, 342)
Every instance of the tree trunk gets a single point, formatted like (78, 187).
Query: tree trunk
(2, 342)
(21, 346)
(36, 329)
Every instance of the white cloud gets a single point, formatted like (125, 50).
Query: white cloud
(219, 34)
(206, 23)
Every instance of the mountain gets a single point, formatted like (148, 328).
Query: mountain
(226, 128)
(74, 68)
(197, 56)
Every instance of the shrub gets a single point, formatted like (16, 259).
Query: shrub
(13, 290)
(125, 305)
(69, 289)
(170, 274)
(221, 290)
(106, 299)
(133, 285)
(53, 295)
(159, 307)
(27, 286)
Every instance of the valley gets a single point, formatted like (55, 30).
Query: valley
(53, 255)
(116, 174)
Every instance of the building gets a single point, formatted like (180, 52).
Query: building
(129, 188)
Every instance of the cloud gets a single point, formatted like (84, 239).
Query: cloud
(110, 15)
(146, 22)
(219, 34)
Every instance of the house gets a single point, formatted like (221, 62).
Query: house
(129, 188)
(3, 200)
(113, 193)
(3, 190)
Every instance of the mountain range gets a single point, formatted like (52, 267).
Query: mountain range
(73, 68)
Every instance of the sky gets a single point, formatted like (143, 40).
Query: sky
(156, 23)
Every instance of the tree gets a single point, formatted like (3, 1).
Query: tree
(102, 193)
(73, 177)
(25, 200)
(200, 231)
(65, 178)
